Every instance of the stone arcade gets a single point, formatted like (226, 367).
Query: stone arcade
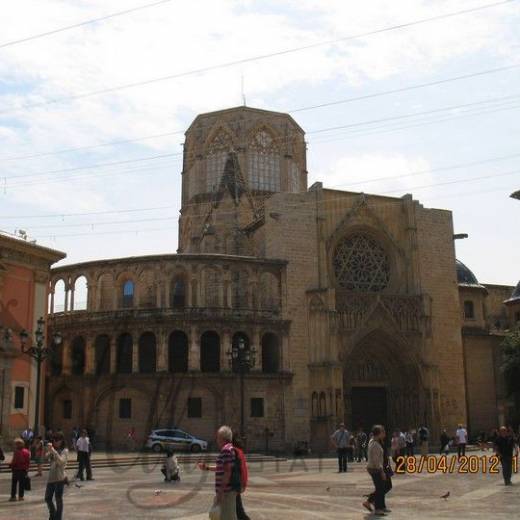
(351, 301)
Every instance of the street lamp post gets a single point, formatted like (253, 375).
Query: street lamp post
(39, 352)
(241, 359)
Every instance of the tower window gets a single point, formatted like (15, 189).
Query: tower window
(125, 408)
(263, 163)
(194, 407)
(469, 310)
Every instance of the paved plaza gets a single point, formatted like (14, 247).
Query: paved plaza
(289, 489)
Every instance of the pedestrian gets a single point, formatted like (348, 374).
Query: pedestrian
(244, 475)
(410, 443)
(38, 454)
(341, 441)
(351, 448)
(49, 434)
(27, 436)
(388, 481)
(361, 444)
(445, 442)
(19, 467)
(224, 505)
(57, 454)
(461, 437)
(504, 449)
(394, 446)
(375, 467)
(74, 437)
(402, 444)
(171, 469)
(424, 437)
(83, 450)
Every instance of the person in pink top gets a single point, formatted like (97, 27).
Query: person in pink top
(19, 467)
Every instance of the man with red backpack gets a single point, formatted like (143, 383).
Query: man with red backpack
(242, 463)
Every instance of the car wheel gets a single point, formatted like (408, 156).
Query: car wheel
(157, 448)
(195, 448)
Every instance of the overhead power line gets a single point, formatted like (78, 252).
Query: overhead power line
(259, 57)
(311, 132)
(300, 109)
(292, 206)
(81, 24)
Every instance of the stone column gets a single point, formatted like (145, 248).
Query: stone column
(72, 299)
(225, 346)
(115, 303)
(258, 347)
(194, 353)
(189, 293)
(158, 291)
(162, 351)
(51, 310)
(285, 365)
(113, 355)
(66, 361)
(229, 293)
(135, 353)
(91, 296)
(167, 297)
(90, 355)
(66, 305)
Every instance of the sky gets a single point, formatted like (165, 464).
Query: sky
(91, 162)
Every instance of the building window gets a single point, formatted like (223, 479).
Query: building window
(67, 409)
(19, 397)
(257, 407)
(361, 264)
(216, 159)
(210, 352)
(469, 310)
(517, 317)
(128, 294)
(194, 407)
(263, 163)
(125, 408)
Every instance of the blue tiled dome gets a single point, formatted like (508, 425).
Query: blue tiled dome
(464, 275)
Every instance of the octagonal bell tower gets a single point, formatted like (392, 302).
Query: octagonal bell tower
(233, 160)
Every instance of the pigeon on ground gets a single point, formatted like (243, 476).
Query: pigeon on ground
(157, 492)
(77, 485)
(446, 495)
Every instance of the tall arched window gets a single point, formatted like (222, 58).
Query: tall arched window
(59, 296)
(216, 158)
(294, 177)
(322, 406)
(314, 404)
(124, 354)
(128, 294)
(147, 353)
(212, 283)
(361, 264)
(469, 310)
(263, 161)
(240, 340)
(269, 292)
(80, 294)
(178, 352)
(210, 352)
(78, 356)
(270, 353)
(102, 354)
(178, 293)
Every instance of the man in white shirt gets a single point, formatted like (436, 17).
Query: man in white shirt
(461, 436)
(341, 441)
(83, 450)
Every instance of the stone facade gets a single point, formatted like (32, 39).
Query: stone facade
(351, 301)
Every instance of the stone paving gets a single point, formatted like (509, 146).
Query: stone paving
(292, 489)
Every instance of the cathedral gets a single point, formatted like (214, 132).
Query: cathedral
(352, 306)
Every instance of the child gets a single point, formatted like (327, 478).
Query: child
(171, 469)
(38, 454)
(19, 467)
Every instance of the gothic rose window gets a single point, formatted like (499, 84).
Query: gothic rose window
(361, 264)
(263, 163)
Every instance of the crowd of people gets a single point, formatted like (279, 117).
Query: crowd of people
(375, 449)
(231, 471)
